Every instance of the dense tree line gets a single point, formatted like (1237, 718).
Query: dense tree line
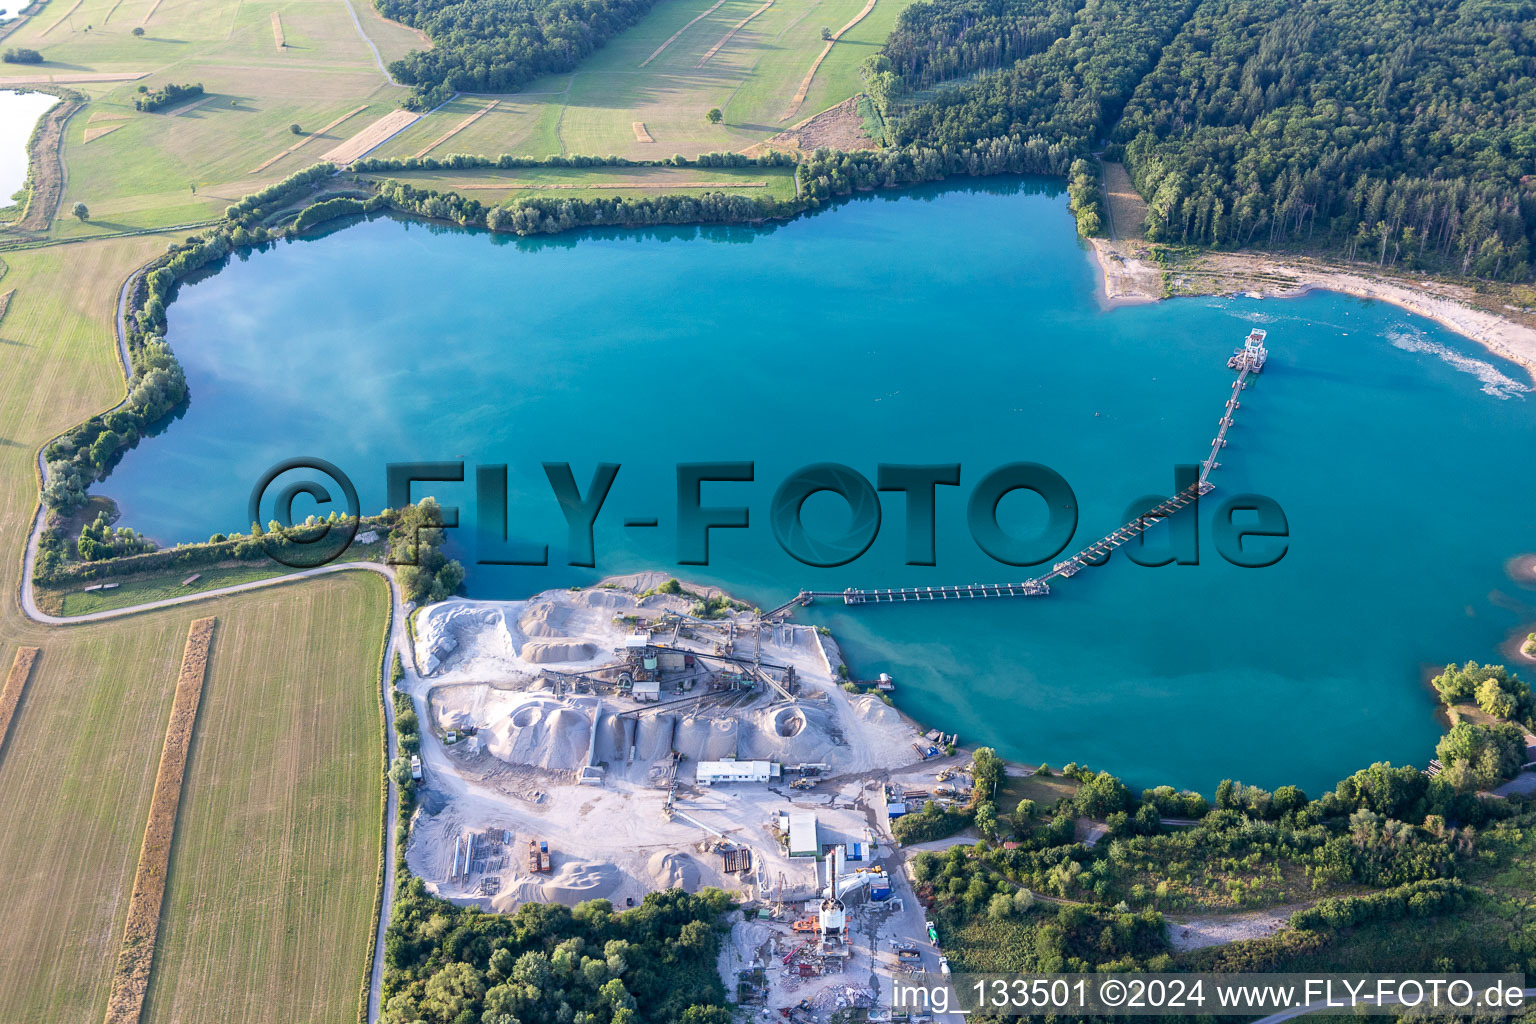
(823, 176)
(937, 40)
(507, 161)
(99, 539)
(499, 45)
(54, 567)
(1070, 93)
(1403, 135)
(21, 55)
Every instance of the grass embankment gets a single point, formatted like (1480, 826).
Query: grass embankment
(157, 586)
(491, 185)
(130, 978)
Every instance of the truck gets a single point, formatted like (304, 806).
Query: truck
(416, 767)
(538, 856)
(943, 965)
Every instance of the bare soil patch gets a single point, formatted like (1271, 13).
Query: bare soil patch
(1127, 210)
(642, 134)
(92, 134)
(1220, 929)
(130, 978)
(277, 31)
(839, 127)
(369, 137)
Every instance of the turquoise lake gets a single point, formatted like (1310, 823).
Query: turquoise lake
(954, 324)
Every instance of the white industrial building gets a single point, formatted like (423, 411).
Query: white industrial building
(646, 690)
(803, 840)
(713, 773)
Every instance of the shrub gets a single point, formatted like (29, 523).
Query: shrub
(21, 55)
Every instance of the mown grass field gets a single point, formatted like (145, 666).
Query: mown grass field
(270, 898)
(587, 183)
(752, 79)
(272, 871)
(184, 163)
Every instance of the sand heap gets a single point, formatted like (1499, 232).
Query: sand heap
(604, 599)
(442, 628)
(543, 733)
(875, 711)
(653, 737)
(792, 734)
(546, 652)
(571, 883)
(674, 871)
(613, 738)
(576, 881)
(544, 618)
(704, 739)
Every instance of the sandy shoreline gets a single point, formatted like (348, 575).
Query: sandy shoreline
(1129, 275)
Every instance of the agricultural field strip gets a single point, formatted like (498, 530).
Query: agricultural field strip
(673, 37)
(805, 84)
(62, 18)
(450, 133)
(272, 160)
(372, 137)
(731, 34)
(130, 978)
(619, 185)
(15, 682)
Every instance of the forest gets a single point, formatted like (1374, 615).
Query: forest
(499, 45)
(1387, 844)
(1405, 136)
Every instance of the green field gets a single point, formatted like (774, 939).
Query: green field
(184, 164)
(79, 763)
(604, 182)
(143, 173)
(271, 890)
(270, 900)
(752, 79)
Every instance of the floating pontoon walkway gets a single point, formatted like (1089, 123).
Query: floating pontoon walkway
(1247, 361)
